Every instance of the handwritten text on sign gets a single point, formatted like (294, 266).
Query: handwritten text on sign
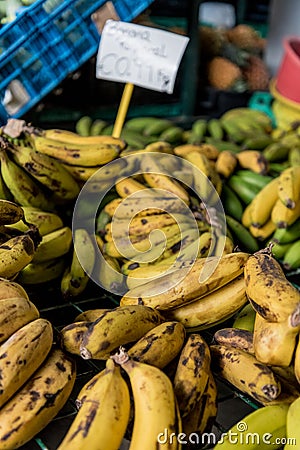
(144, 56)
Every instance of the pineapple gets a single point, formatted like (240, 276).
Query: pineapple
(256, 74)
(223, 74)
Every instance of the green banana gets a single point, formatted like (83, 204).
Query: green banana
(83, 126)
(198, 131)
(97, 126)
(215, 128)
(245, 318)
(231, 203)
(157, 127)
(252, 178)
(243, 189)
(242, 235)
(294, 156)
(287, 235)
(138, 124)
(276, 152)
(291, 258)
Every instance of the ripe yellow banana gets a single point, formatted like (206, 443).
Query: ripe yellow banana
(14, 314)
(38, 401)
(253, 160)
(264, 231)
(11, 289)
(296, 362)
(226, 163)
(245, 372)
(213, 308)
(283, 216)
(192, 373)
(128, 186)
(289, 186)
(23, 188)
(90, 315)
(15, 254)
(69, 137)
(77, 275)
(48, 171)
(70, 336)
(42, 272)
(80, 173)
(103, 417)
(155, 177)
(160, 345)
(274, 342)
(263, 203)
(202, 417)
(155, 415)
(55, 244)
(269, 291)
(119, 326)
(10, 212)
(205, 276)
(235, 337)
(210, 151)
(86, 155)
(22, 354)
(45, 221)
(144, 204)
(264, 428)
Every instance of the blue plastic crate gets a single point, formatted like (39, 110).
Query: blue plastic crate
(49, 40)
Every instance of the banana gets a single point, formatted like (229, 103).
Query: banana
(245, 318)
(14, 314)
(205, 276)
(279, 250)
(242, 235)
(291, 258)
(77, 154)
(269, 291)
(108, 274)
(156, 127)
(120, 326)
(253, 160)
(198, 131)
(173, 135)
(263, 203)
(15, 255)
(139, 123)
(257, 142)
(247, 115)
(97, 126)
(287, 235)
(212, 308)
(90, 315)
(79, 173)
(289, 186)
(70, 336)
(294, 156)
(103, 417)
(296, 362)
(10, 212)
(42, 272)
(155, 415)
(155, 177)
(232, 204)
(160, 345)
(245, 191)
(144, 205)
(283, 216)
(69, 137)
(201, 418)
(276, 151)
(22, 186)
(274, 342)
(236, 338)
(45, 221)
(25, 414)
(264, 231)
(128, 186)
(81, 266)
(11, 289)
(192, 373)
(48, 171)
(22, 354)
(244, 372)
(226, 163)
(208, 150)
(54, 245)
(83, 126)
(252, 178)
(292, 427)
(264, 427)
(215, 128)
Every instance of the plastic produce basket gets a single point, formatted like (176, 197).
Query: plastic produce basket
(49, 40)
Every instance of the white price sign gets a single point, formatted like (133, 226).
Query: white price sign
(144, 56)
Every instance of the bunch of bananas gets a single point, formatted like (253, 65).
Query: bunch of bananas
(36, 378)
(180, 394)
(18, 247)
